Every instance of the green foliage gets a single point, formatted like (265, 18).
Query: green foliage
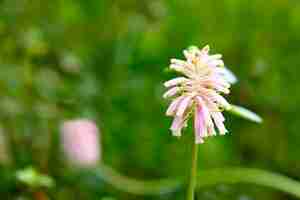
(105, 60)
(32, 178)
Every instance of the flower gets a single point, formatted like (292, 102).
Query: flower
(198, 92)
(80, 141)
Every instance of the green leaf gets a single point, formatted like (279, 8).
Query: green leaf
(135, 186)
(205, 178)
(259, 177)
(29, 176)
(245, 113)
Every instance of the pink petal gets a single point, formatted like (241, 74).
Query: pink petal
(207, 118)
(199, 124)
(208, 122)
(211, 105)
(220, 100)
(175, 81)
(177, 125)
(219, 123)
(186, 69)
(183, 105)
(173, 106)
(171, 92)
(220, 116)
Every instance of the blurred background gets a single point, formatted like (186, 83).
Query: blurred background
(105, 61)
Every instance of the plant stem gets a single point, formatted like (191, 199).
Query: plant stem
(193, 173)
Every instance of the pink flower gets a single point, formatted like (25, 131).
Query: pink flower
(80, 140)
(198, 92)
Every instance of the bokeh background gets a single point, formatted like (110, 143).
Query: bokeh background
(105, 60)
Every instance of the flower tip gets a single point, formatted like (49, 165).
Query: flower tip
(176, 133)
(165, 96)
(224, 132)
(171, 92)
(222, 64)
(206, 48)
(228, 75)
(185, 53)
(192, 48)
(199, 140)
(173, 60)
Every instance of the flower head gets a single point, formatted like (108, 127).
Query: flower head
(198, 92)
(80, 140)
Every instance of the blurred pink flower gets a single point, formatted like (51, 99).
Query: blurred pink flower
(80, 140)
(198, 92)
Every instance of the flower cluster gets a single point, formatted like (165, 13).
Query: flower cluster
(198, 92)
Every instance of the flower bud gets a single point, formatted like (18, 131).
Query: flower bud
(80, 141)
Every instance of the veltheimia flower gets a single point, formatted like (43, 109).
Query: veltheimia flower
(198, 92)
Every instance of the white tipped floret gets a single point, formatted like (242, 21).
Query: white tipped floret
(171, 92)
(175, 81)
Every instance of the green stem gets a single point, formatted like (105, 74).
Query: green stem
(193, 173)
